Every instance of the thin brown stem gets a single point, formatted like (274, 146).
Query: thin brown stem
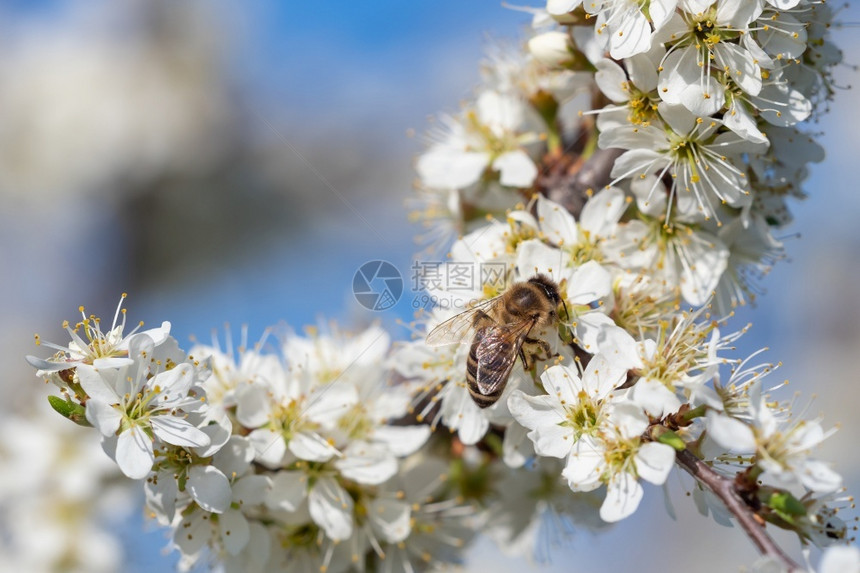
(724, 488)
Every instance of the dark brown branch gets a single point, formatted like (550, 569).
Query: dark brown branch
(569, 184)
(724, 488)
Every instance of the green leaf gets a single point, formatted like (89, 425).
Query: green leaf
(71, 410)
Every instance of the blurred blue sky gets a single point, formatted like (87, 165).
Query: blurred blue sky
(369, 72)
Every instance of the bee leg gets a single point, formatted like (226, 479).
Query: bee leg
(547, 351)
(543, 345)
(527, 364)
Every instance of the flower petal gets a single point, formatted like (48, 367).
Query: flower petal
(161, 496)
(616, 344)
(590, 328)
(562, 384)
(95, 384)
(209, 488)
(584, 465)
(178, 432)
(235, 457)
(443, 167)
(218, 433)
(840, 559)
(312, 447)
(269, 447)
(654, 397)
(742, 122)
(104, 417)
(818, 477)
(629, 419)
(251, 489)
(731, 434)
(542, 416)
(402, 440)
(327, 404)
(631, 37)
(516, 449)
(590, 282)
(235, 532)
(369, 464)
(112, 362)
(460, 413)
(516, 169)
(390, 519)
(561, 7)
(193, 533)
(603, 211)
(601, 376)
(134, 453)
(252, 404)
(48, 365)
(500, 112)
(172, 385)
(331, 508)
(623, 494)
(289, 490)
(612, 80)
(556, 222)
(535, 256)
(654, 462)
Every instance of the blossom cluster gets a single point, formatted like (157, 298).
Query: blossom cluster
(699, 106)
(627, 369)
(288, 460)
(702, 100)
(62, 515)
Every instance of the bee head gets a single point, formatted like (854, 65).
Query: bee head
(549, 287)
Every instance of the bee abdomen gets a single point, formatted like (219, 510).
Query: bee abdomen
(472, 368)
(483, 400)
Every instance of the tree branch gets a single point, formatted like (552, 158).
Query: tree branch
(725, 489)
(569, 184)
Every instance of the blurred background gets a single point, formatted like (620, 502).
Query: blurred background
(227, 164)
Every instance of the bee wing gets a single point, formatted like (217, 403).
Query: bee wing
(497, 353)
(458, 326)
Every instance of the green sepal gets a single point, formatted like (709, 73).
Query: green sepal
(694, 413)
(472, 483)
(670, 438)
(786, 504)
(68, 409)
(494, 442)
(546, 105)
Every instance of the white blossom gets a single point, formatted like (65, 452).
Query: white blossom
(131, 406)
(492, 136)
(100, 349)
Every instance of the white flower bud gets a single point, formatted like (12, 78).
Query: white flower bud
(552, 48)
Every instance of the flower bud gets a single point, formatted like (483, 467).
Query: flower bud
(554, 49)
(567, 12)
(668, 437)
(785, 503)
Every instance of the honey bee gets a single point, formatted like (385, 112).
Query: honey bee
(501, 326)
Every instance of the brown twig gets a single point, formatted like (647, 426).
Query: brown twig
(568, 184)
(724, 488)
